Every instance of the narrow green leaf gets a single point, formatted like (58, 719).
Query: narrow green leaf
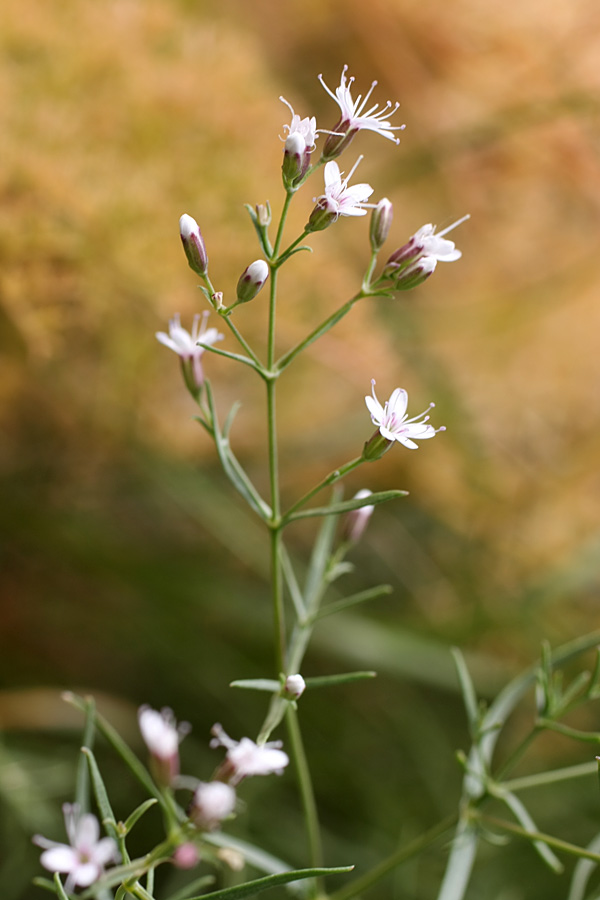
(460, 864)
(523, 817)
(292, 582)
(44, 883)
(82, 785)
(138, 813)
(257, 684)
(583, 872)
(119, 745)
(319, 561)
(238, 891)
(238, 357)
(106, 813)
(342, 678)
(588, 737)
(337, 509)
(361, 597)
(60, 891)
(468, 691)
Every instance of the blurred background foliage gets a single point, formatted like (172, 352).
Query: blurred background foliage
(128, 569)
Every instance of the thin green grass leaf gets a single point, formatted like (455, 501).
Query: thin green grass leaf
(186, 892)
(523, 817)
(468, 691)
(338, 509)
(373, 593)
(342, 678)
(82, 784)
(106, 812)
(60, 891)
(137, 814)
(250, 888)
(256, 684)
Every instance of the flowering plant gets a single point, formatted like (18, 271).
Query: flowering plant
(193, 829)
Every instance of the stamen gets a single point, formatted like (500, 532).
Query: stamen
(454, 225)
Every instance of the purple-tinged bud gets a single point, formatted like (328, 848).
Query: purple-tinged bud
(415, 274)
(186, 856)
(403, 256)
(381, 220)
(340, 137)
(296, 159)
(322, 216)
(294, 686)
(213, 802)
(357, 519)
(252, 280)
(193, 244)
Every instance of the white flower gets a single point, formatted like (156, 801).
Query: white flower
(435, 246)
(393, 423)
(185, 343)
(213, 801)
(341, 199)
(245, 758)
(84, 857)
(305, 128)
(354, 116)
(162, 736)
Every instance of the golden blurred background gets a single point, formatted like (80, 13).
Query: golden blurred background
(128, 568)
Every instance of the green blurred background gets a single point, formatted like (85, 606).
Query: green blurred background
(128, 568)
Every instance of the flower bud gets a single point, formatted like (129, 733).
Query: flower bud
(381, 221)
(213, 801)
(252, 280)
(294, 686)
(186, 856)
(357, 519)
(193, 244)
(263, 214)
(296, 159)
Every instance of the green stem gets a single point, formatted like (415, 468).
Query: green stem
(306, 790)
(327, 481)
(557, 843)
(395, 859)
(321, 329)
(540, 778)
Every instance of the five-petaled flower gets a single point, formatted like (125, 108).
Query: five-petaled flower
(355, 117)
(306, 128)
(245, 758)
(393, 423)
(339, 199)
(83, 859)
(185, 343)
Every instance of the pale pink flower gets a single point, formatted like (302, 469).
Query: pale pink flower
(304, 128)
(339, 199)
(162, 737)
(392, 420)
(355, 117)
(185, 343)
(83, 859)
(245, 758)
(213, 801)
